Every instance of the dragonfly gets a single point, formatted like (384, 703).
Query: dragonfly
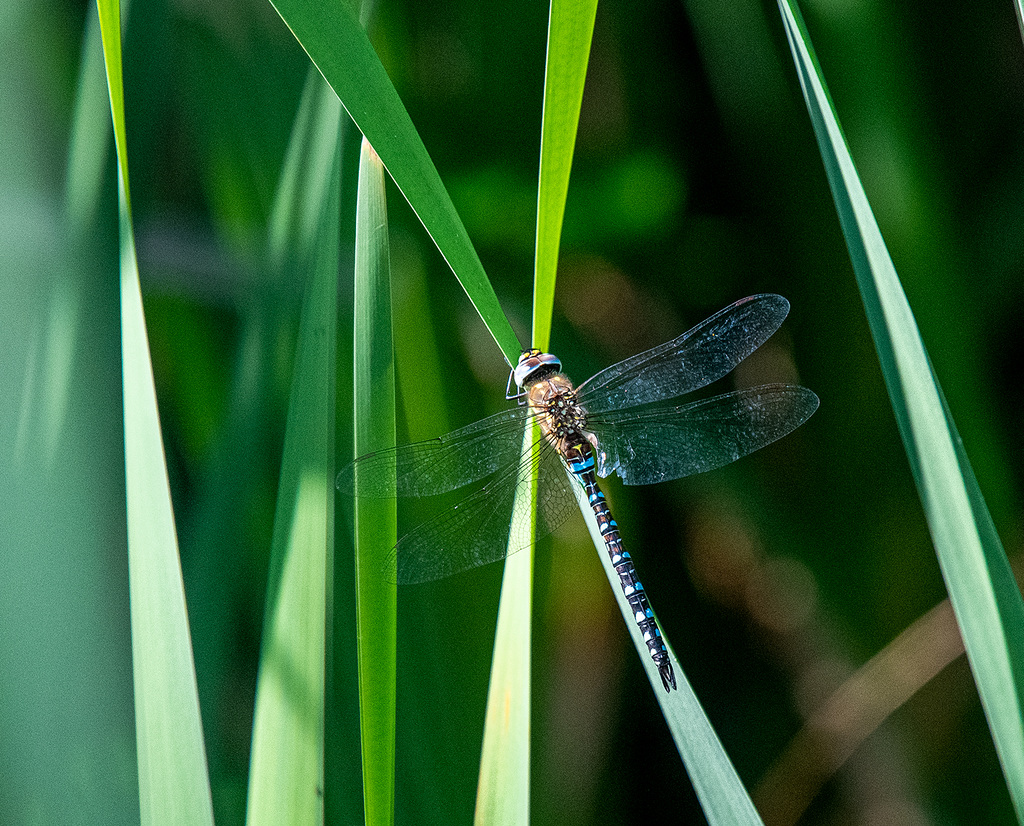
(627, 420)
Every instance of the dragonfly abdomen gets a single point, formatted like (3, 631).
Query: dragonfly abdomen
(580, 459)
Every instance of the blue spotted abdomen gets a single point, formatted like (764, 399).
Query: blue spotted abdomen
(580, 458)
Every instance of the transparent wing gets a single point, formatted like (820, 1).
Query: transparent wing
(439, 465)
(483, 528)
(698, 357)
(648, 446)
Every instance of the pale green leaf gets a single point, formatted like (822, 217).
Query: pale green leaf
(503, 788)
(719, 788)
(287, 763)
(173, 780)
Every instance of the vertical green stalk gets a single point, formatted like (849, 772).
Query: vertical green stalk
(287, 763)
(503, 793)
(375, 518)
(503, 788)
(173, 781)
(570, 31)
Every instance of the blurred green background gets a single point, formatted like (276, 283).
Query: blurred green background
(696, 182)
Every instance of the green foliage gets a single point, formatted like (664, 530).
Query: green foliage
(981, 585)
(570, 30)
(374, 520)
(173, 783)
(338, 46)
(286, 775)
(694, 182)
(503, 793)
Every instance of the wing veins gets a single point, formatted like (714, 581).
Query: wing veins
(698, 357)
(472, 525)
(662, 443)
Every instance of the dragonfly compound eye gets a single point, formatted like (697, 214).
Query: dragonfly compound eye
(533, 366)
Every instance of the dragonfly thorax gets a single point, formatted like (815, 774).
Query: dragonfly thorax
(562, 419)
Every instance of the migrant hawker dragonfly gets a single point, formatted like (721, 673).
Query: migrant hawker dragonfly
(625, 419)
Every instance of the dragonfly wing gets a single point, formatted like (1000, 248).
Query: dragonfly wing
(438, 465)
(698, 357)
(646, 447)
(485, 527)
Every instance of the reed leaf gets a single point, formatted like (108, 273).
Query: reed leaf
(981, 585)
(173, 780)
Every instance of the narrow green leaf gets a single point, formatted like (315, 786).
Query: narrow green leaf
(720, 791)
(503, 791)
(503, 788)
(173, 781)
(304, 190)
(336, 43)
(981, 585)
(286, 769)
(375, 518)
(110, 34)
(570, 30)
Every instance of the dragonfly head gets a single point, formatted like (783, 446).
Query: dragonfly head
(533, 365)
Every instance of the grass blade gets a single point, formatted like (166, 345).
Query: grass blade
(503, 787)
(286, 770)
(337, 44)
(981, 586)
(570, 29)
(375, 519)
(173, 780)
(295, 225)
(503, 791)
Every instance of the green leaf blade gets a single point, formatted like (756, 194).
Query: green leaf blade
(337, 44)
(503, 787)
(173, 779)
(503, 790)
(570, 31)
(287, 762)
(981, 586)
(375, 518)
(722, 795)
